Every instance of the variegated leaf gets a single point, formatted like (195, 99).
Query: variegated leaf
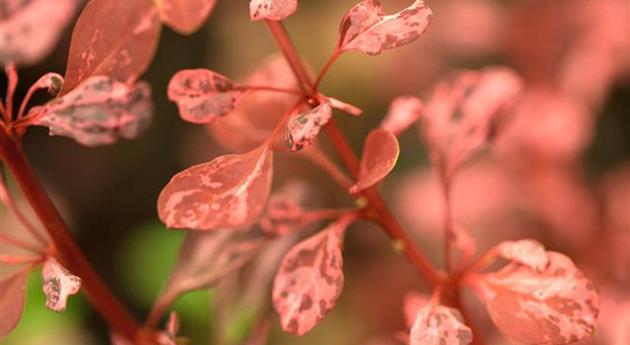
(439, 325)
(303, 128)
(527, 252)
(272, 9)
(229, 192)
(59, 284)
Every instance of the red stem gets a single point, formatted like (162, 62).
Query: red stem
(381, 213)
(68, 252)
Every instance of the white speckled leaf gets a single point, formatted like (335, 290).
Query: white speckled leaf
(29, 29)
(12, 294)
(228, 192)
(98, 111)
(380, 154)
(59, 284)
(366, 28)
(271, 9)
(557, 306)
(303, 128)
(202, 95)
(439, 325)
(310, 279)
(402, 113)
(185, 16)
(527, 252)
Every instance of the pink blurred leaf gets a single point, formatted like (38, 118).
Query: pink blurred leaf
(345, 107)
(464, 115)
(115, 38)
(310, 279)
(271, 9)
(530, 253)
(206, 257)
(29, 30)
(169, 335)
(185, 16)
(367, 29)
(59, 284)
(12, 294)
(303, 128)
(98, 111)
(403, 112)
(257, 113)
(202, 95)
(379, 157)
(464, 241)
(439, 325)
(413, 302)
(230, 192)
(284, 216)
(557, 306)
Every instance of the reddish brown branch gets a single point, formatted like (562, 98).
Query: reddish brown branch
(68, 252)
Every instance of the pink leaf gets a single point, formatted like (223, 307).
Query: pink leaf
(257, 113)
(12, 293)
(557, 306)
(59, 284)
(98, 111)
(303, 128)
(29, 30)
(439, 325)
(403, 112)
(464, 115)
(185, 16)
(228, 192)
(202, 95)
(169, 335)
(271, 9)
(464, 241)
(367, 29)
(345, 107)
(310, 279)
(413, 302)
(530, 253)
(115, 38)
(379, 157)
(284, 216)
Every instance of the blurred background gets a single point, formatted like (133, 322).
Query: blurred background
(560, 173)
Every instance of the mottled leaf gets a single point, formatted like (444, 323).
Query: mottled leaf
(403, 112)
(439, 325)
(12, 293)
(272, 9)
(527, 252)
(97, 112)
(115, 38)
(379, 157)
(310, 279)
(557, 306)
(202, 95)
(345, 107)
(29, 29)
(366, 28)
(59, 284)
(303, 128)
(230, 192)
(185, 16)
(466, 114)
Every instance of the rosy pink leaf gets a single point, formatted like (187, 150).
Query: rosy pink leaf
(379, 157)
(403, 112)
(284, 216)
(463, 241)
(115, 38)
(59, 284)
(228, 192)
(463, 116)
(12, 294)
(185, 16)
(367, 29)
(29, 30)
(99, 111)
(310, 279)
(439, 325)
(303, 128)
(413, 302)
(202, 95)
(257, 113)
(272, 9)
(345, 107)
(530, 253)
(557, 306)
